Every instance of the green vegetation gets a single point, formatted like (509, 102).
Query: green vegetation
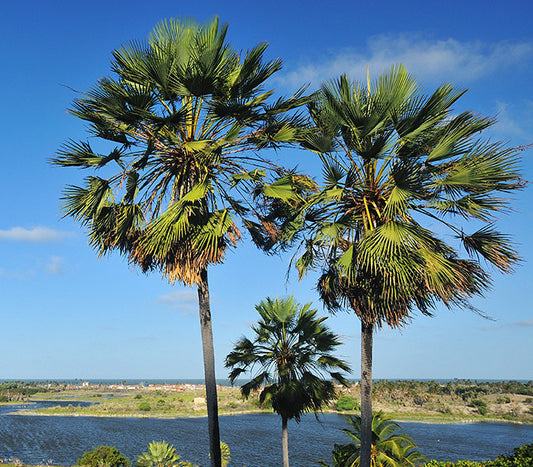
(19, 391)
(345, 403)
(389, 449)
(291, 355)
(145, 407)
(404, 400)
(108, 456)
(521, 457)
(161, 454)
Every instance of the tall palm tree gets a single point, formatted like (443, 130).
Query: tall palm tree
(173, 127)
(290, 356)
(389, 449)
(396, 164)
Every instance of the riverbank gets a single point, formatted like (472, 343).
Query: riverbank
(412, 401)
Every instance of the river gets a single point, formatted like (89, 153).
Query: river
(254, 439)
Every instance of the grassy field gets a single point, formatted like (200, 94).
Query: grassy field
(403, 400)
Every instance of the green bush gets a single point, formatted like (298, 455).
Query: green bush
(452, 464)
(521, 457)
(145, 407)
(108, 456)
(503, 400)
(347, 403)
(138, 396)
(481, 406)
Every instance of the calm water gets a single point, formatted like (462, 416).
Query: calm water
(254, 439)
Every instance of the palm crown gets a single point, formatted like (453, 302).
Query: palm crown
(392, 160)
(177, 118)
(389, 448)
(291, 354)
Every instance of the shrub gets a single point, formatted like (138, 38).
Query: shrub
(521, 457)
(481, 406)
(108, 456)
(138, 396)
(453, 464)
(503, 400)
(160, 453)
(145, 407)
(347, 403)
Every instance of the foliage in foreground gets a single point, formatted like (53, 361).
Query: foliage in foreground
(521, 457)
(108, 456)
(389, 449)
(161, 454)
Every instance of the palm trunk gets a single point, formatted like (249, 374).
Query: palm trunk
(209, 369)
(285, 441)
(366, 393)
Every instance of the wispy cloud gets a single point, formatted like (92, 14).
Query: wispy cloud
(55, 265)
(35, 235)
(186, 301)
(525, 324)
(514, 120)
(17, 275)
(427, 59)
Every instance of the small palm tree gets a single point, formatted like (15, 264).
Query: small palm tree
(388, 448)
(160, 454)
(290, 358)
(173, 126)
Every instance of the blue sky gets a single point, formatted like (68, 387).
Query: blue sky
(64, 313)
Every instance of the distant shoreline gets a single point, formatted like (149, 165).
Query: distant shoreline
(460, 401)
(404, 418)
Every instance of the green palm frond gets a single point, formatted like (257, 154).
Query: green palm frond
(181, 111)
(389, 448)
(398, 160)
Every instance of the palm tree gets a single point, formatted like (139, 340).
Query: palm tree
(176, 122)
(160, 454)
(290, 357)
(396, 163)
(389, 449)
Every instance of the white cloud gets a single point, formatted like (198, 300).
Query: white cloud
(55, 265)
(514, 121)
(17, 275)
(527, 323)
(184, 300)
(35, 235)
(440, 60)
